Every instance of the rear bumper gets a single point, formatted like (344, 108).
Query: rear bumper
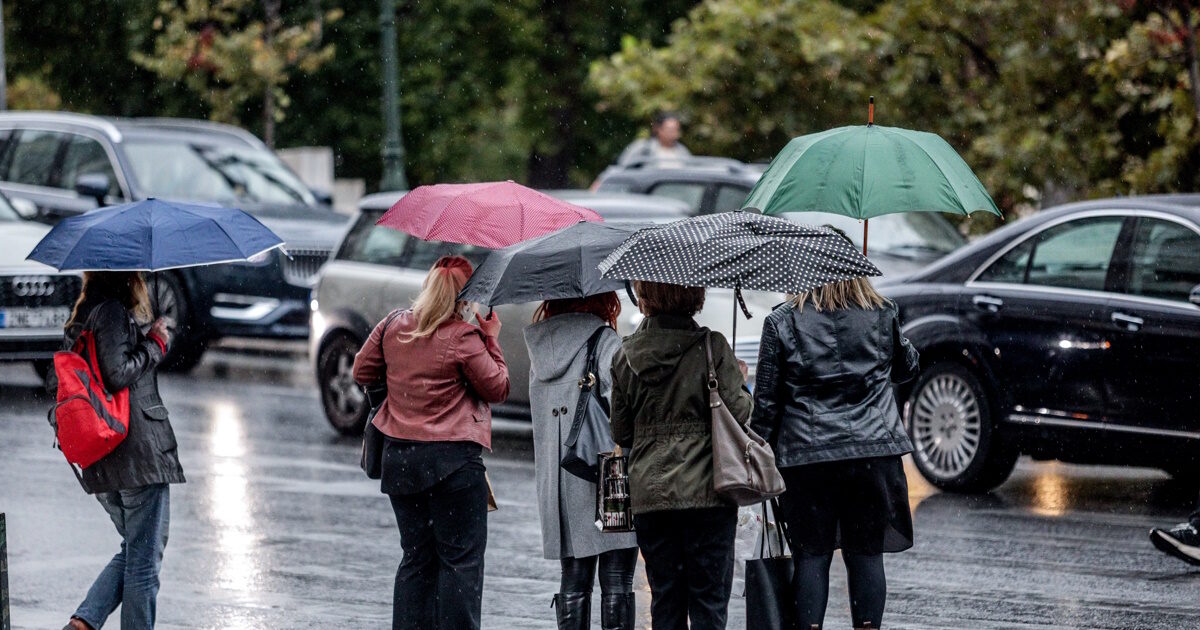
(29, 345)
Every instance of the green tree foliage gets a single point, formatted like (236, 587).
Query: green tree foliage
(1046, 99)
(230, 52)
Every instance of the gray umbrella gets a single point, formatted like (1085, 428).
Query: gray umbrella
(562, 264)
(738, 250)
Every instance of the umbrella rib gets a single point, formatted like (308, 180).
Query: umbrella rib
(953, 184)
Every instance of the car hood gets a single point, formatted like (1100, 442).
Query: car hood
(302, 227)
(17, 239)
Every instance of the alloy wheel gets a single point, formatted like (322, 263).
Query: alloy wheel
(946, 425)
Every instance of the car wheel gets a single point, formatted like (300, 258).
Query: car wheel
(955, 444)
(187, 345)
(344, 402)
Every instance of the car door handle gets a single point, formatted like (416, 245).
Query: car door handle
(988, 303)
(1128, 322)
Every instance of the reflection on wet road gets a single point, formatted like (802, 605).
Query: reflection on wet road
(277, 527)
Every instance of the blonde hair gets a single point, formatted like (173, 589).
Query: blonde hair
(126, 287)
(438, 300)
(838, 295)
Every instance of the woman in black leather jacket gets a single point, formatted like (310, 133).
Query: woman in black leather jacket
(131, 482)
(823, 398)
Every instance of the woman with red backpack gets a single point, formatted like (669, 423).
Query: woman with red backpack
(132, 481)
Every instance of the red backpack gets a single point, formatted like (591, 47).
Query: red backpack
(89, 421)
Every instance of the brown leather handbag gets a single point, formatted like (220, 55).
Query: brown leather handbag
(743, 463)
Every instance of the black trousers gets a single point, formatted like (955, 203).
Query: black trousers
(689, 564)
(443, 531)
(616, 572)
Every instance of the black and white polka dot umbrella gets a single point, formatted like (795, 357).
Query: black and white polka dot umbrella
(738, 250)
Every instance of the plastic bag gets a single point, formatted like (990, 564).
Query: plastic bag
(745, 545)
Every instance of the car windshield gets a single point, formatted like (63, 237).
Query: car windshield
(222, 174)
(905, 234)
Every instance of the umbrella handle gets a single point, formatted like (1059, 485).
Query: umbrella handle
(865, 222)
(629, 292)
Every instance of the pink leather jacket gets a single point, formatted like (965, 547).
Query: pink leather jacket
(439, 387)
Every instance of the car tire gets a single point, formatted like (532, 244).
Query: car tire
(955, 444)
(187, 344)
(345, 405)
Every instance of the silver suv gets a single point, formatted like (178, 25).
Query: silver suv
(377, 269)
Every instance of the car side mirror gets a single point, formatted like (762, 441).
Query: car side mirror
(324, 197)
(24, 207)
(93, 185)
(1194, 297)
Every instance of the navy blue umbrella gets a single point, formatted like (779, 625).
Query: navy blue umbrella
(153, 235)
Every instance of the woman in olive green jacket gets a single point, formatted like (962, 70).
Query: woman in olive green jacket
(660, 413)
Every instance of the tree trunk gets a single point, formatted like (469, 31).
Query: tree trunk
(271, 26)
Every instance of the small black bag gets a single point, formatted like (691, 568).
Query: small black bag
(770, 593)
(590, 432)
(374, 440)
(614, 510)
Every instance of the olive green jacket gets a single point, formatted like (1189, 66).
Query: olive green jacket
(660, 412)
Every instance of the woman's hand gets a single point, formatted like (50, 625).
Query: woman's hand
(161, 328)
(745, 370)
(490, 325)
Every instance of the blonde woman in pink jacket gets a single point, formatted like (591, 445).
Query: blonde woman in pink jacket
(442, 375)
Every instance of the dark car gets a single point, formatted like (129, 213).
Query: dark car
(1072, 335)
(899, 243)
(55, 165)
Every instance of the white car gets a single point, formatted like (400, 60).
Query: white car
(35, 300)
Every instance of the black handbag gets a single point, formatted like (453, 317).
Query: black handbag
(374, 440)
(770, 590)
(590, 432)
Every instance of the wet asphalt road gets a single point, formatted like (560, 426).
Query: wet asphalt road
(277, 527)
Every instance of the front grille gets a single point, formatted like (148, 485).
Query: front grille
(301, 266)
(35, 290)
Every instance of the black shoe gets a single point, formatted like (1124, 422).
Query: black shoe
(573, 610)
(1181, 541)
(617, 611)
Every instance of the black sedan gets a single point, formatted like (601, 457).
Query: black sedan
(1071, 335)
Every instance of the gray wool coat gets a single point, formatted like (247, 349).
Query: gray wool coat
(566, 503)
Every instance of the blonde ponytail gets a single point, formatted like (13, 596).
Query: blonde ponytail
(438, 300)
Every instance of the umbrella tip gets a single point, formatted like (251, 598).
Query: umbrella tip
(870, 110)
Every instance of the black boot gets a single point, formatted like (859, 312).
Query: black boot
(617, 611)
(574, 610)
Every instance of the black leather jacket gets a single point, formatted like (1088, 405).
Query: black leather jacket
(824, 384)
(127, 358)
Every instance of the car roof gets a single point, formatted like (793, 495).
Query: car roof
(1183, 204)
(611, 206)
(697, 168)
(117, 129)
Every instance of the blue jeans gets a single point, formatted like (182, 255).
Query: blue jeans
(131, 578)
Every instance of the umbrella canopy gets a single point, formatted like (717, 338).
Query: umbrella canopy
(562, 264)
(867, 171)
(738, 250)
(489, 214)
(153, 235)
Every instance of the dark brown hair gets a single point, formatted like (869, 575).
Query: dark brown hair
(657, 298)
(606, 306)
(126, 287)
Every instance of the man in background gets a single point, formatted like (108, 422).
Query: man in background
(662, 147)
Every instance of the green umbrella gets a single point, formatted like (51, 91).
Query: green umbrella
(867, 171)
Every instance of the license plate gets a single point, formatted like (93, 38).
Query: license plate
(34, 317)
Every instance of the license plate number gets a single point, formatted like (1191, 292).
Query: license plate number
(34, 317)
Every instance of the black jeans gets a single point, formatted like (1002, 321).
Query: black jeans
(689, 564)
(443, 531)
(616, 572)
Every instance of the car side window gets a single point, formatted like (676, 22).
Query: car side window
(33, 157)
(1076, 254)
(422, 254)
(1011, 267)
(730, 198)
(85, 156)
(369, 243)
(690, 193)
(1164, 260)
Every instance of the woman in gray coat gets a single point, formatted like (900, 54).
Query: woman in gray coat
(558, 349)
